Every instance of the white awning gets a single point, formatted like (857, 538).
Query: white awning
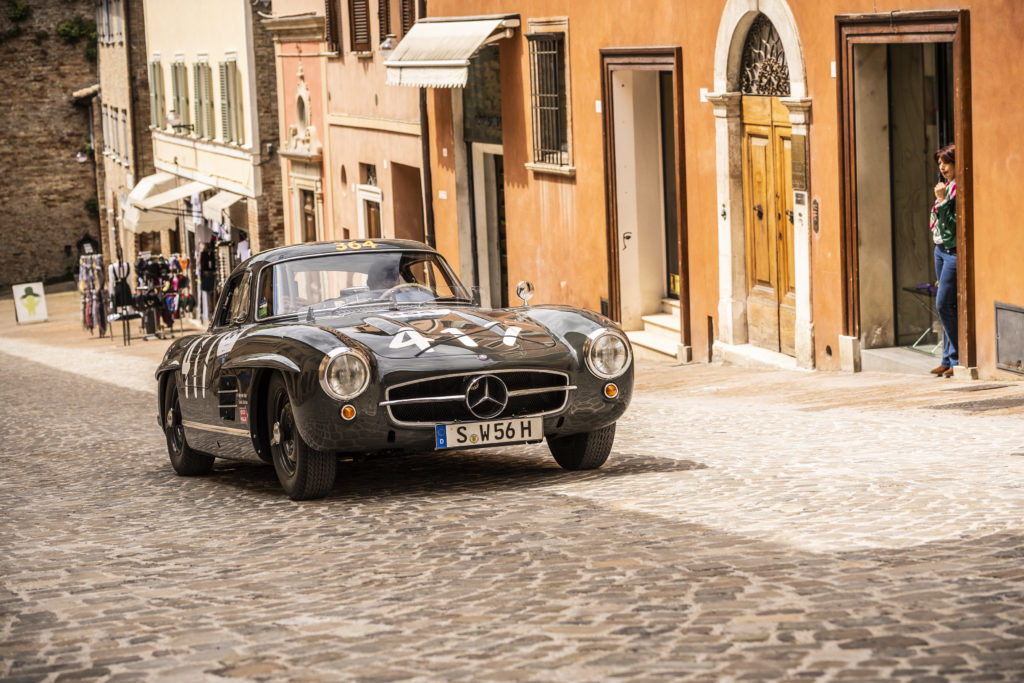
(152, 192)
(138, 221)
(435, 53)
(171, 195)
(217, 204)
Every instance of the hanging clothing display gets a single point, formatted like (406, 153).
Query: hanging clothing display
(120, 290)
(95, 298)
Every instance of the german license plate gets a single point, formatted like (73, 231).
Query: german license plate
(469, 434)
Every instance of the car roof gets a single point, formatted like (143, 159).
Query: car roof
(271, 256)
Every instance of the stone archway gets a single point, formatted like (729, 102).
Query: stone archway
(737, 18)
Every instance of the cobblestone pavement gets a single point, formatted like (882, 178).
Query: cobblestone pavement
(749, 525)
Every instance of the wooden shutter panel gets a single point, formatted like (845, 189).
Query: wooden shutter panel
(408, 15)
(359, 18)
(332, 25)
(384, 18)
(225, 104)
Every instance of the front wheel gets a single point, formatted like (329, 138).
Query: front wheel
(586, 451)
(303, 471)
(184, 460)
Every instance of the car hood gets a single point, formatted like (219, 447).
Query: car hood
(446, 332)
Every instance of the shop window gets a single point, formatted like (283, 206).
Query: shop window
(359, 23)
(202, 88)
(549, 95)
(156, 94)
(231, 103)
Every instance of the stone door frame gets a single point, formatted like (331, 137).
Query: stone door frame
(737, 17)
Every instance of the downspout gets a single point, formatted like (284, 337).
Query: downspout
(428, 180)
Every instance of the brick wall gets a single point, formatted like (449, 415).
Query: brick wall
(269, 212)
(43, 189)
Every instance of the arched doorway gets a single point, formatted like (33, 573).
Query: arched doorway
(762, 121)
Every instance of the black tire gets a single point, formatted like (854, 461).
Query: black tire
(185, 461)
(586, 451)
(303, 471)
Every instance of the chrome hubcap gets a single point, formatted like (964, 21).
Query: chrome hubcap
(276, 438)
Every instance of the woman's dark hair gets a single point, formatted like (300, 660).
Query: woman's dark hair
(947, 154)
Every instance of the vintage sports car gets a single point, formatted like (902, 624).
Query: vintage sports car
(317, 351)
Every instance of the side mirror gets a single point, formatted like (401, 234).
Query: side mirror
(524, 290)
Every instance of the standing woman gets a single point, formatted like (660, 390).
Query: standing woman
(943, 226)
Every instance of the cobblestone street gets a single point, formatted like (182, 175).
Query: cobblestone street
(749, 525)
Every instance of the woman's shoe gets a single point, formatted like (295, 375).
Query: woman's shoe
(948, 372)
(939, 370)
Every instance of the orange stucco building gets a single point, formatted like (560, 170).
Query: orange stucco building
(757, 172)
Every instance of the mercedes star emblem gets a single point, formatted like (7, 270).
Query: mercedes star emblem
(486, 396)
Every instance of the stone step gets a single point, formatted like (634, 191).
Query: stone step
(670, 306)
(662, 323)
(658, 342)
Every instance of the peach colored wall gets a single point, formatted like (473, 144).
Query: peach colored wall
(557, 227)
(290, 56)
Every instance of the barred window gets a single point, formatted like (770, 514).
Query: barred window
(359, 23)
(548, 98)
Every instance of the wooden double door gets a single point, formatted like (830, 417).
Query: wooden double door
(768, 223)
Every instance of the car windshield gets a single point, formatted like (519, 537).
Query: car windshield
(354, 278)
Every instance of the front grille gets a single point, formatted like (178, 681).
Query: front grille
(443, 399)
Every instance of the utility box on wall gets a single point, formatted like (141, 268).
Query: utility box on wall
(1010, 338)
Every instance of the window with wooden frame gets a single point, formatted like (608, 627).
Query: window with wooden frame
(549, 96)
(202, 88)
(231, 120)
(359, 25)
(179, 92)
(156, 94)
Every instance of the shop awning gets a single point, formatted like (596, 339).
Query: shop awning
(435, 53)
(152, 192)
(217, 204)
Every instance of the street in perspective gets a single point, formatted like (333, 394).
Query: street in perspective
(749, 524)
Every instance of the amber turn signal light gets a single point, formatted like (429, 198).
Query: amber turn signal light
(348, 411)
(610, 390)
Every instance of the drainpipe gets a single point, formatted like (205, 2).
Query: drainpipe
(428, 180)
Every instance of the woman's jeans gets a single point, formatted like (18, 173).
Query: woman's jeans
(945, 303)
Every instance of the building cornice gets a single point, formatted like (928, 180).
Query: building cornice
(301, 27)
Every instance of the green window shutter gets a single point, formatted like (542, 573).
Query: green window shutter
(225, 104)
(153, 121)
(197, 97)
(237, 104)
(186, 112)
(175, 92)
(161, 108)
(208, 95)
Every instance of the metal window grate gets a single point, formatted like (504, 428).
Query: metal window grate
(547, 97)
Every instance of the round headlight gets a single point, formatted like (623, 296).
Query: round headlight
(607, 354)
(344, 374)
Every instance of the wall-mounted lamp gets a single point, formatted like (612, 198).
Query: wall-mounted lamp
(387, 45)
